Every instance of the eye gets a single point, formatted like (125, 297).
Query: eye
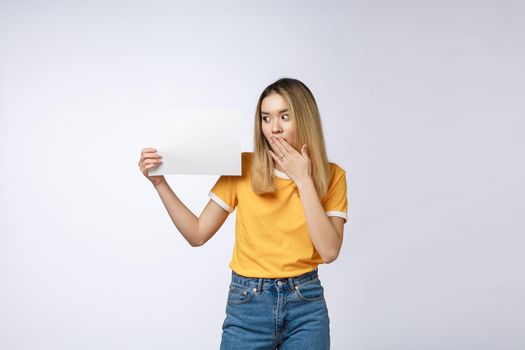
(285, 117)
(265, 118)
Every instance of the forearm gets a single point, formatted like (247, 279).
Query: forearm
(185, 221)
(323, 234)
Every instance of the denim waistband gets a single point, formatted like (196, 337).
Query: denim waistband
(260, 283)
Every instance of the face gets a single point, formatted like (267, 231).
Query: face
(276, 119)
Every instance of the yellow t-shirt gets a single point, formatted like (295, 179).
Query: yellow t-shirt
(271, 234)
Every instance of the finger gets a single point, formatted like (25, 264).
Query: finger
(286, 146)
(148, 149)
(304, 151)
(274, 146)
(150, 161)
(150, 156)
(277, 159)
(278, 148)
(148, 167)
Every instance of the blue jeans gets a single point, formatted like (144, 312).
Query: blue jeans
(276, 313)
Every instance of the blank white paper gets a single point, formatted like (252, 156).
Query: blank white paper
(199, 141)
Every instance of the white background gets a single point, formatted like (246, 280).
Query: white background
(422, 104)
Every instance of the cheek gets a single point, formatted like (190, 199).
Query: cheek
(291, 136)
(290, 131)
(266, 132)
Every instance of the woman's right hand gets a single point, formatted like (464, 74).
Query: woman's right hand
(149, 159)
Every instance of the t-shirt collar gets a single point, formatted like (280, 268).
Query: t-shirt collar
(280, 174)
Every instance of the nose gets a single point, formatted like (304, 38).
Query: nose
(276, 128)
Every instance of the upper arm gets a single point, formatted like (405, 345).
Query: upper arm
(210, 220)
(338, 223)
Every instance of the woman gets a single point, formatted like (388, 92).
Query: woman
(291, 208)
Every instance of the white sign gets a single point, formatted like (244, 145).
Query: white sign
(203, 141)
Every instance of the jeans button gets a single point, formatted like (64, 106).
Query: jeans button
(279, 283)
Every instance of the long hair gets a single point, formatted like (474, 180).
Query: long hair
(304, 111)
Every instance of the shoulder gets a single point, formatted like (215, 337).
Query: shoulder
(336, 190)
(337, 177)
(246, 160)
(247, 156)
(336, 171)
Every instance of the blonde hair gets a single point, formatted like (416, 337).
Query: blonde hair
(304, 111)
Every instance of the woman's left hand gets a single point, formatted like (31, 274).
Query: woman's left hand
(296, 165)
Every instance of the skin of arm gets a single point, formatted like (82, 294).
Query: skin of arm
(196, 230)
(326, 233)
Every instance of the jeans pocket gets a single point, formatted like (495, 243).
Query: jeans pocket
(310, 291)
(239, 294)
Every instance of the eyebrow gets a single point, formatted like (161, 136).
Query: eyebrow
(281, 111)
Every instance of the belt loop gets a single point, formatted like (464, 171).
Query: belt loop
(290, 281)
(259, 287)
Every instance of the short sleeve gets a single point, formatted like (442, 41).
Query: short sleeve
(335, 201)
(224, 192)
